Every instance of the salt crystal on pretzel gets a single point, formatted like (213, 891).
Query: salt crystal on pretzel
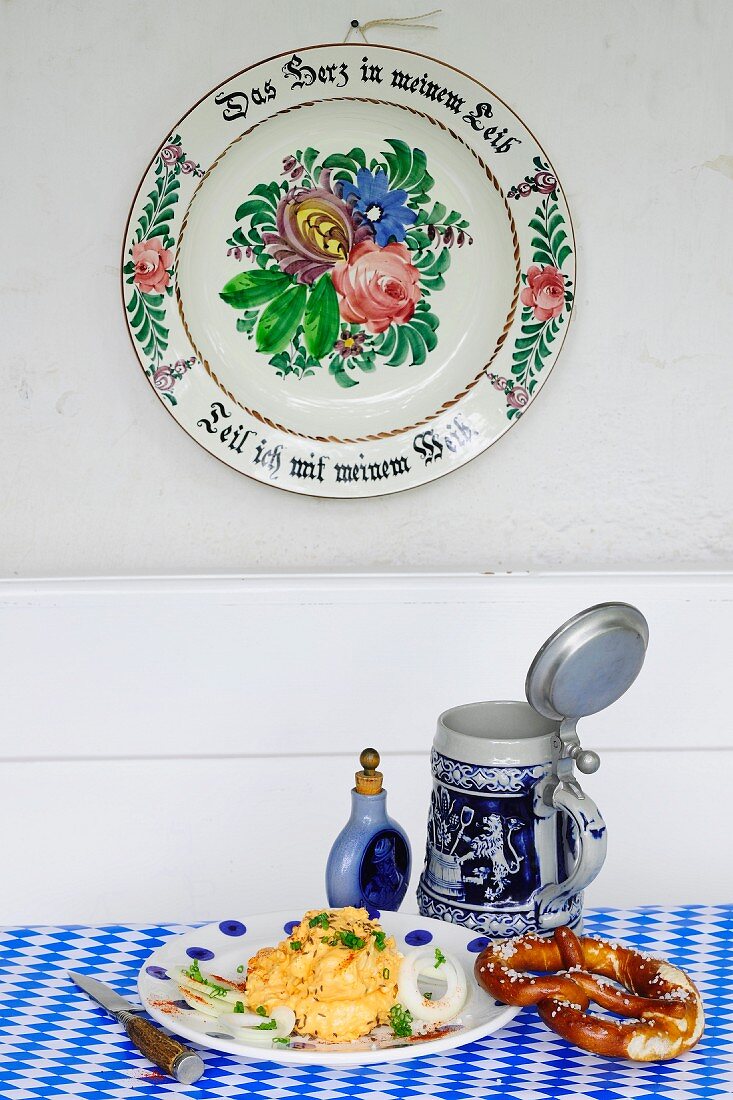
(665, 1005)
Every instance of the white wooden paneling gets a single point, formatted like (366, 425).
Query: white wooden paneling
(170, 840)
(254, 665)
(179, 749)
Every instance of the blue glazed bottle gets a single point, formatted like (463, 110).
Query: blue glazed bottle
(369, 864)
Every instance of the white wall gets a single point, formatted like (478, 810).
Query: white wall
(624, 463)
(184, 749)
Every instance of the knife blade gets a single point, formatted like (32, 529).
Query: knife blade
(180, 1062)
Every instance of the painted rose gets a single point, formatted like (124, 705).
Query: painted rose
(517, 397)
(546, 182)
(377, 286)
(315, 231)
(544, 292)
(164, 380)
(151, 262)
(169, 154)
(189, 166)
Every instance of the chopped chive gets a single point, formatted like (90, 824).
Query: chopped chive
(380, 940)
(295, 945)
(266, 1025)
(239, 1007)
(240, 968)
(400, 1020)
(283, 1041)
(194, 972)
(349, 939)
(321, 921)
(439, 958)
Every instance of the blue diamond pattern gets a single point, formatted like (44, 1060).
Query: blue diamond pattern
(54, 1042)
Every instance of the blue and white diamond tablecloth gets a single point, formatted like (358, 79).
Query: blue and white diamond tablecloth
(54, 1042)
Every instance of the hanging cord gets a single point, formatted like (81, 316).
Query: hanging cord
(406, 21)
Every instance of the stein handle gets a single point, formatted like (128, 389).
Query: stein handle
(550, 903)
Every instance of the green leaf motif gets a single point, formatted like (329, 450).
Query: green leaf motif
(548, 243)
(417, 240)
(270, 192)
(417, 345)
(532, 348)
(321, 320)
(254, 288)
(147, 315)
(554, 221)
(252, 206)
(437, 214)
(310, 156)
(337, 160)
(279, 321)
(538, 224)
(246, 323)
(407, 169)
(414, 339)
(336, 368)
(434, 264)
(417, 172)
(398, 161)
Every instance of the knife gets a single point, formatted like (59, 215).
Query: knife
(162, 1050)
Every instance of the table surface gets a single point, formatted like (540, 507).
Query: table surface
(54, 1041)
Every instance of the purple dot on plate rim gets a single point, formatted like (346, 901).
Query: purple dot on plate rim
(232, 928)
(478, 944)
(289, 926)
(200, 953)
(183, 1006)
(373, 914)
(157, 972)
(418, 936)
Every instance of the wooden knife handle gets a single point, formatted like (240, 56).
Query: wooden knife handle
(162, 1050)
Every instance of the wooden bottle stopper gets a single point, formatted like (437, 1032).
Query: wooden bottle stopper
(369, 780)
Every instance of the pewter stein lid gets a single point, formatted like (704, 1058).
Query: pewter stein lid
(589, 662)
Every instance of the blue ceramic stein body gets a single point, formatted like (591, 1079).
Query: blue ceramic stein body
(509, 850)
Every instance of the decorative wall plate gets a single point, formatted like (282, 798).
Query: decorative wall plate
(348, 270)
(224, 947)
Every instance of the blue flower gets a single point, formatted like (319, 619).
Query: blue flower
(385, 210)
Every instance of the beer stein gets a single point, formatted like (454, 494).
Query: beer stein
(513, 840)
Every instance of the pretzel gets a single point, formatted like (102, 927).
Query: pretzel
(666, 1006)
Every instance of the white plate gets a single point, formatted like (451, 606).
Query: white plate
(222, 948)
(423, 326)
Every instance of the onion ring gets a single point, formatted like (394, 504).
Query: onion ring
(422, 963)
